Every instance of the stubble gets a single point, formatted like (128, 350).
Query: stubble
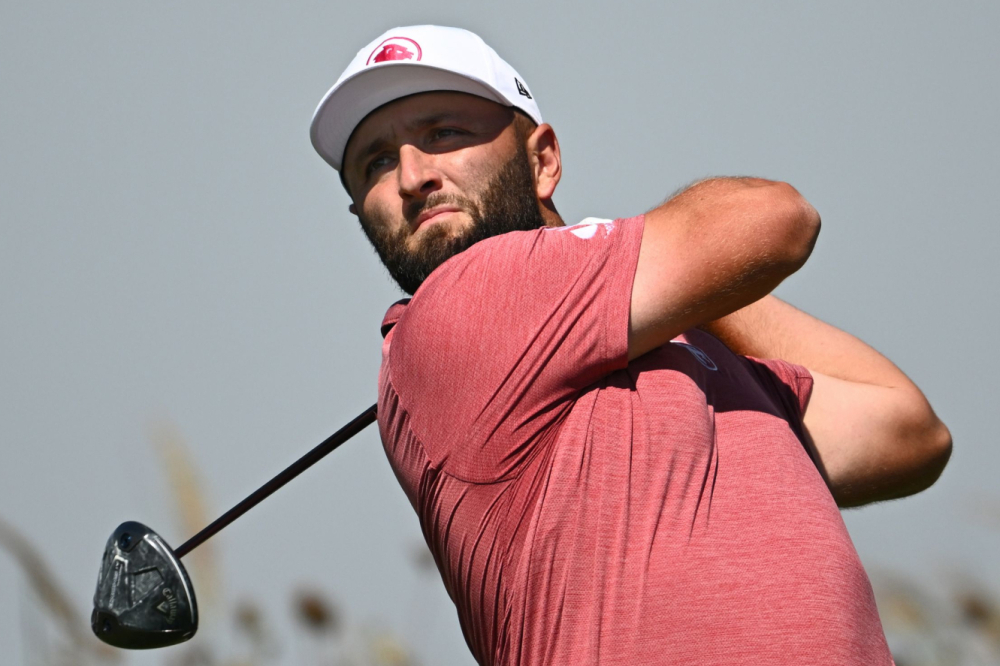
(507, 203)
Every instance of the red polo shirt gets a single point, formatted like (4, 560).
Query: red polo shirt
(583, 509)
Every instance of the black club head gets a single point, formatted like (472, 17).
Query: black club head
(144, 597)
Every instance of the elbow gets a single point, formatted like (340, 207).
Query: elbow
(937, 452)
(929, 452)
(796, 225)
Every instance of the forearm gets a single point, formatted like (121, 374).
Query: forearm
(771, 328)
(876, 435)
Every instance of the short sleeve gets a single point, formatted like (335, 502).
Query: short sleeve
(499, 340)
(788, 384)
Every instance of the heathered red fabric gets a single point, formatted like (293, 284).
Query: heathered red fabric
(587, 510)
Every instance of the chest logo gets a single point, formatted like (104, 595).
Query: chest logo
(702, 357)
(396, 48)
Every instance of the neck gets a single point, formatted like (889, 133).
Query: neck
(551, 215)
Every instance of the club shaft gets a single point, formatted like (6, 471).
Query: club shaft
(360, 422)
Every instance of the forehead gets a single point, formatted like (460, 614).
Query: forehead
(415, 112)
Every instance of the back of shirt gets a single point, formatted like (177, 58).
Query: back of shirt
(584, 509)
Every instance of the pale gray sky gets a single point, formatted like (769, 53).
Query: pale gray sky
(171, 248)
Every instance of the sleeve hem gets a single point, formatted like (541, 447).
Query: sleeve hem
(619, 310)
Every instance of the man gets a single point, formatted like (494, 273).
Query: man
(621, 449)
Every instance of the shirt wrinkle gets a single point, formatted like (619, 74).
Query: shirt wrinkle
(583, 508)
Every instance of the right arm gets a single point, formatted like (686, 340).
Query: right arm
(716, 247)
(874, 432)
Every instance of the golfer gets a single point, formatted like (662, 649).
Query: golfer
(621, 448)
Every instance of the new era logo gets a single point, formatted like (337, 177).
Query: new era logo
(521, 90)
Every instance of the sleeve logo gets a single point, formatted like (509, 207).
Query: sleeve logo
(702, 357)
(587, 227)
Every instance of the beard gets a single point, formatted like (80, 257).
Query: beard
(507, 203)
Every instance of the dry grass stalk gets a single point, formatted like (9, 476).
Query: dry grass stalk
(316, 613)
(979, 612)
(252, 626)
(53, 598)
(388, 651)
(189, 499)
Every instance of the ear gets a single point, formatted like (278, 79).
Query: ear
(353, 209)
(546, 160)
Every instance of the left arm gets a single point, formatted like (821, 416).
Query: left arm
(874, 431)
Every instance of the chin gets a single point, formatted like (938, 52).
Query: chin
(430, 233)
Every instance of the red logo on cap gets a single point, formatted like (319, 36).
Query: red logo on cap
(395, 48)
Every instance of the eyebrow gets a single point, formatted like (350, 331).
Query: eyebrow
(379, 143)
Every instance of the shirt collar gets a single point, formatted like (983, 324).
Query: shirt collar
(393, 315)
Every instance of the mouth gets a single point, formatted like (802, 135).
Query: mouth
(433, 215)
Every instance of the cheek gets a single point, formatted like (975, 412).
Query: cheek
(382, 207)
(469, 170)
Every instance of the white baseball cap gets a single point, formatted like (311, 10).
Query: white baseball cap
(405, 61)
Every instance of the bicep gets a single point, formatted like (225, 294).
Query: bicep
(873, 442)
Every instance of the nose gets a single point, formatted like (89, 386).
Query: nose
(418, 175)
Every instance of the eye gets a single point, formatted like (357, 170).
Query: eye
(376, 164)
(444, 132)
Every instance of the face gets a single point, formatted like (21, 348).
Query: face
(433, 174)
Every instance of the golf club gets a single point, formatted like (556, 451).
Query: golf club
(144, 597)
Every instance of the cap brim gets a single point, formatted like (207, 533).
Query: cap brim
(348, 103)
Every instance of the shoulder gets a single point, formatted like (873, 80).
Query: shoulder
(525, 259)
(524, 273)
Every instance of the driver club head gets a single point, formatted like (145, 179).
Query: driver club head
(144, 598)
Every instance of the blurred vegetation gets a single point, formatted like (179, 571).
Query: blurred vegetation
(230, 633)
(958, 624)
(955, 624)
